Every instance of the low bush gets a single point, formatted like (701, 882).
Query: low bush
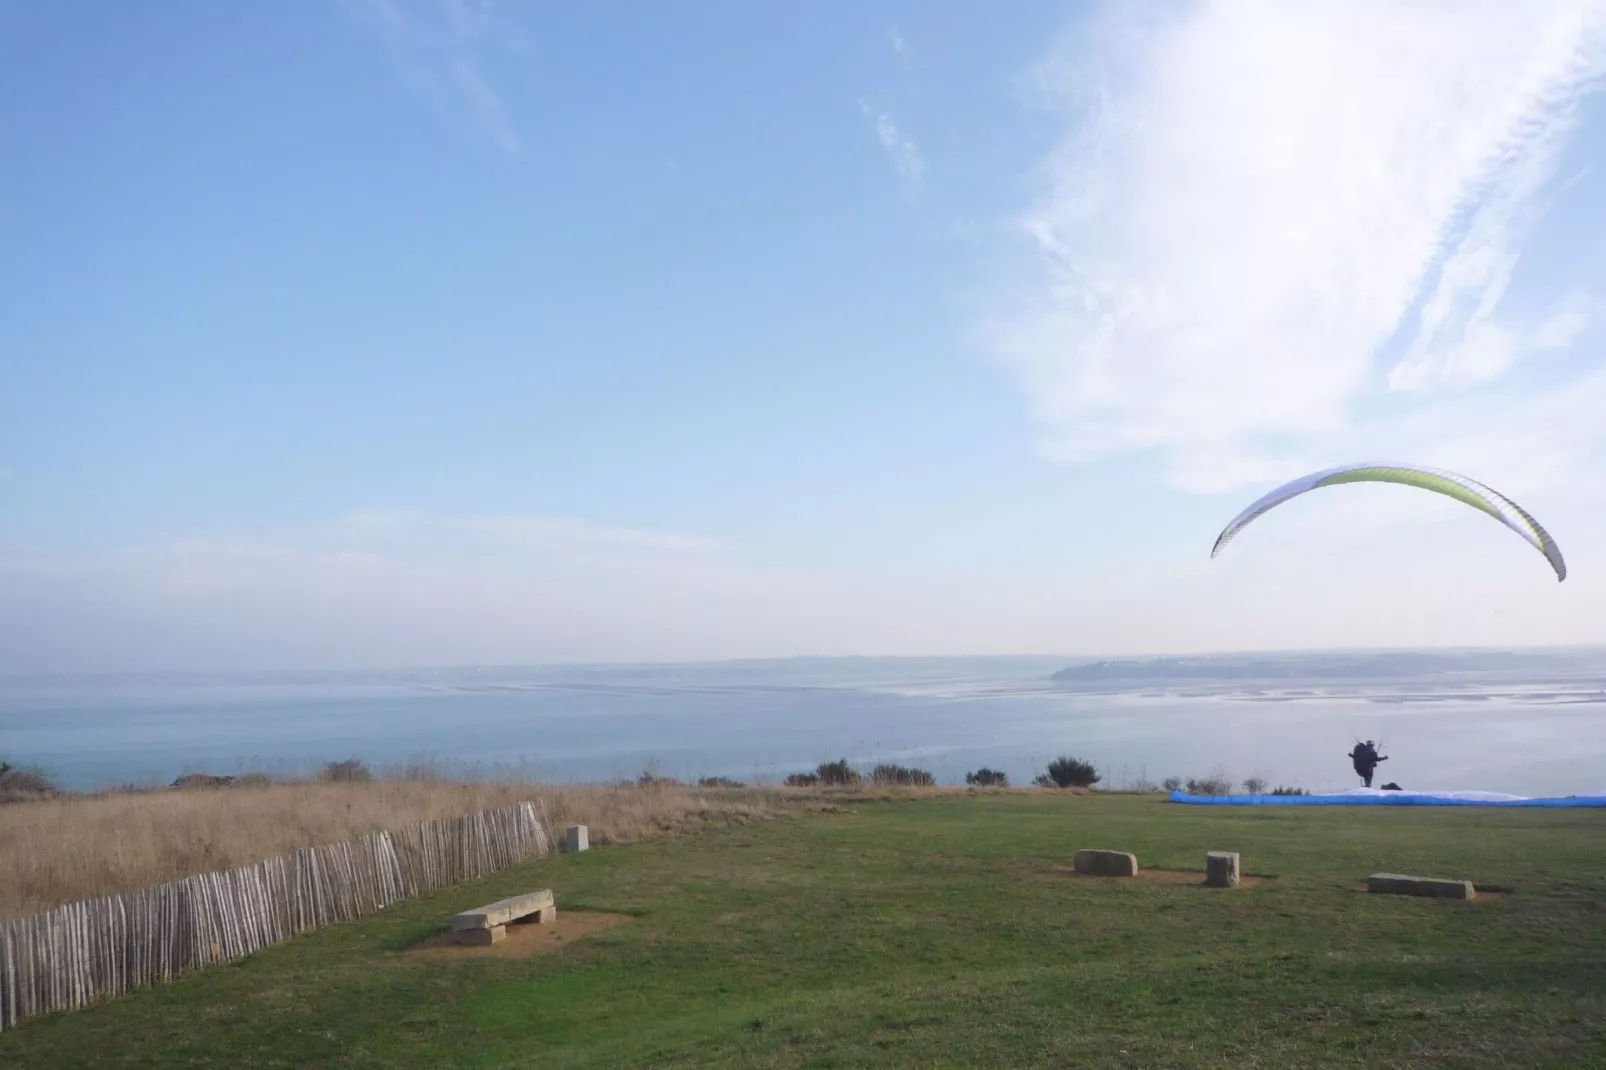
(887, 774)
(349, 771)
(719, 782)
(1172, 783)
(1280, 790)
(838, 773)
(23, 783)
(803, 780)
(987, 778)
(202, 781)
(1255, 785)
(1068, 772)
(1211, 785)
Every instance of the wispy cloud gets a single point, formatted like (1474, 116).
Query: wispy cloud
(894, 139)
(1255, 199)
(899, 145)
(900, 44)
(438, 45)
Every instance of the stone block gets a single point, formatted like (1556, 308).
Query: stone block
(1434, 887)
(503, 911)
(481, 937)
(578, 838)
(1107, 863)
(1221, 869)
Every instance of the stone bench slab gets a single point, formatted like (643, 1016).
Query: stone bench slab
(507, 910)
(481, 937)
(1107, 863)
(1436, 887)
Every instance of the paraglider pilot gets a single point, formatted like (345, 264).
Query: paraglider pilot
(1365, 757)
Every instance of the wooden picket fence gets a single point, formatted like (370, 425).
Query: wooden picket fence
(65, 958)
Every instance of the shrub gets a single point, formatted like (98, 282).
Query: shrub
(838, 772)
(195, 781)
(887, 773)
(719, 782)
(1255, 785)
(1280, 790)
(253, 780)
(20, 783)
(1172, 783)
(1216, 784)
(1068, 772)
(350, 770)
(803, 780)
(987, 778)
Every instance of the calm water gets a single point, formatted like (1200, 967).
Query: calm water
(1530, 736)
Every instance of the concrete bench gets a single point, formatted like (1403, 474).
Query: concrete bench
(1435, 887)
(1221, 869)
(1107, 863)
(488, 924)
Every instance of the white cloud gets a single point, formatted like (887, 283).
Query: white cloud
(899, 146)
(900, 45)
(438, 45)
(1548, 442)
(1564, 325)
(1255, 197)
(1459, 342)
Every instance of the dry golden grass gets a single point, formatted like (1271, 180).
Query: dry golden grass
(78, 847)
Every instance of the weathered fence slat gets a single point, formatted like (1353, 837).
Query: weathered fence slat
(74, 954)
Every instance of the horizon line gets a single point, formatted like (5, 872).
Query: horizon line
(11, 677)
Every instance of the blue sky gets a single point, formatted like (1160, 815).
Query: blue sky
(378, 332)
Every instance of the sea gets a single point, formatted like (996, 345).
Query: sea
(1518, 723)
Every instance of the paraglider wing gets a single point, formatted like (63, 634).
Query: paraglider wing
(1460, 488)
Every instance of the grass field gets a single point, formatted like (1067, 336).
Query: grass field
(936, 932)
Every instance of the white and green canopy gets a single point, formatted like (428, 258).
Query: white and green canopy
(1460, 488)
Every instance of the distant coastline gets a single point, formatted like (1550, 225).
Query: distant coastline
(1339, 665)
(1380, 662)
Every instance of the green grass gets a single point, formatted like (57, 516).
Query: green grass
(932, 932)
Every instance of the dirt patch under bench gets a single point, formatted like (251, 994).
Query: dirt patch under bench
(523, 941)
(1160, 876)
(1479, 894)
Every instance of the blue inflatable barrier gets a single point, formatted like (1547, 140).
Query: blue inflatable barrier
(1384, 798)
